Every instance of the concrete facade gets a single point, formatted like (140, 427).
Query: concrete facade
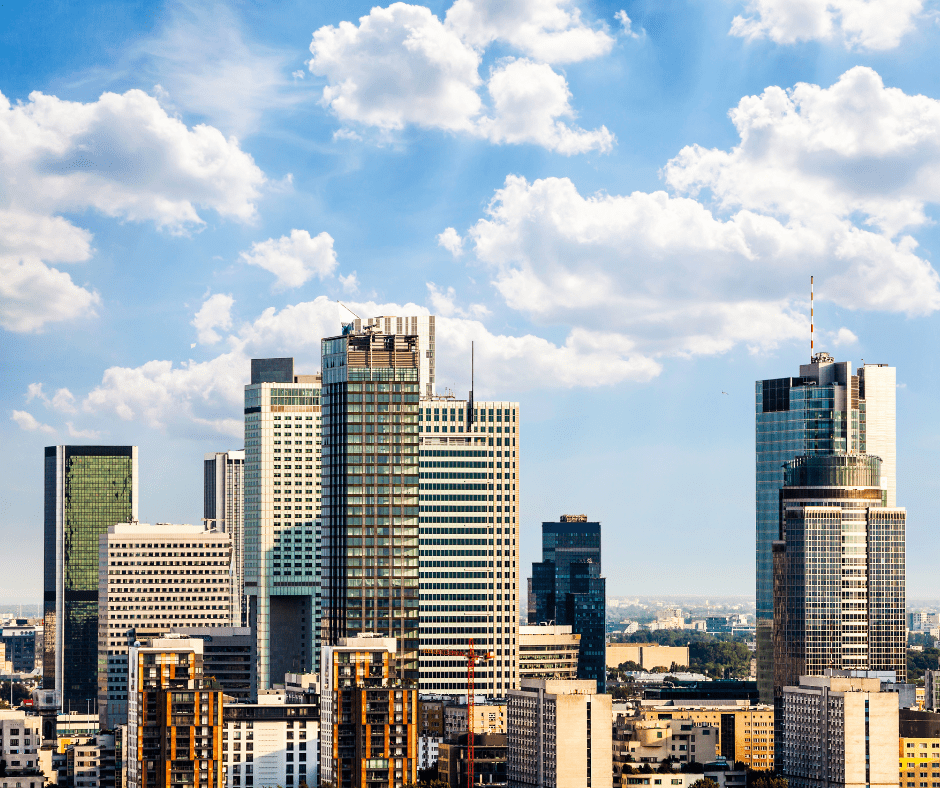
(548, 652)
(647, 655)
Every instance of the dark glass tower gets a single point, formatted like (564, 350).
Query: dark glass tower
(567, 588)
(87, 490)
(370, 397)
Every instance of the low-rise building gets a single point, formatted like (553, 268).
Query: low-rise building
(682, 741)
(72, 725)
(489, 760)
(839, 729)
(88, 763)
(919, 749)
(428, 750)
(19, 637)
(559, 735)
(548, 651)
(19, 740)
(647, 655)
(489, 716)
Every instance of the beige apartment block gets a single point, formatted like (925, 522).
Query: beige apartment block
(840, 730)
(487, 718)
(560, 735)
(647, 655)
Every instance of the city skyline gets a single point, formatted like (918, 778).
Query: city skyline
(182, 207)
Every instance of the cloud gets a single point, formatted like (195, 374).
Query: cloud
(26, 421)
(294, 259)
(349, 283)
(205, 64)
(855, 147)
(844, 337)
(63, 400)
(401, 66)
(86, 434)
(450, 239)
(547, 30)
(674, 278)
(860, 24)
(121, 156)
(626, 23)
(443, 302)
(216, 312)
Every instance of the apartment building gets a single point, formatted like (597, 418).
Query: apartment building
(20, 739)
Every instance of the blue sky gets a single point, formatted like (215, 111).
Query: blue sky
(621, 204)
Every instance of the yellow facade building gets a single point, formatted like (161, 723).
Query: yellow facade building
(919, 749)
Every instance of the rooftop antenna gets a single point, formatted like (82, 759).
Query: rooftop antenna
(348, 309)
(811, 305)
(470, 404)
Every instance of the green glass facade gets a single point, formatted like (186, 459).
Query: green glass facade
(87, 489)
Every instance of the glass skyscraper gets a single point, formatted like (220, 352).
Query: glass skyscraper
(87, 490)
(824, 410)
(371, 388)
(567, 588)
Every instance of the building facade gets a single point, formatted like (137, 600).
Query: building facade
(489, 760)
(20, 639)
(559, 735)
(567, 588)
(839, 571)
(224, 511)
(175, 724)
(919, 749)
(824, 410)
(20, 740)
(87, 490)
(271, 743)
(282, 517)
(839, 730)
(469, 540)
(368, 716)
(154, 579)
(548, 651)
(229, 657)
(370, 397)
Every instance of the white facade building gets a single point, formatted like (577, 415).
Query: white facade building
(469, 541)
(224, 510)
(153, 579)
(19, 740)
(282, 517)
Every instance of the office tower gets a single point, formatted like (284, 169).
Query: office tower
(824, 410)
(838, 571)
(368, 716)
(229, 657)
(548, 651)
(224, 510)
(839, 730)
(282, 517)
(271, 742)
(87, 490)
(560, 735)
(567, 588)
(154, 578)
(174, 717)
(469, 541)
(370, 489)
(421, 326)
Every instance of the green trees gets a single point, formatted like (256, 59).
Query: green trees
(705, 782)
(919, 661)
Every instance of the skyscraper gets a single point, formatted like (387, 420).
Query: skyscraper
(469, 540)
(87, 490)
(371, 386)
(824, 410)
(421, 326)
(567, 589)
(839, 570)
(282, 517)
(224, 510)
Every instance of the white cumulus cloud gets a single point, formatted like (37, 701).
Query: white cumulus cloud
(294, 259)
(402, 66)
(451, 240)
(860, 24)
(29, 423)
(215, 312)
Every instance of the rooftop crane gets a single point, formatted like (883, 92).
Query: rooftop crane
(472, 658)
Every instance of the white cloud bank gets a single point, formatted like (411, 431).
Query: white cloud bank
(294, 259)
(122, 156)
(403, 66)
(860, 24)
(27, 422)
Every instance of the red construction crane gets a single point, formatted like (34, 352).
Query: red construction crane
(472, 658)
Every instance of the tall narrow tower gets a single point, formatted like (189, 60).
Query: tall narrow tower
(224, 510)
(87, 490)
(282, 517)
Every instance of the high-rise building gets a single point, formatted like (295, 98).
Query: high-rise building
(370, 397)
(839, 571)
(224, 510)
(548, 651)
(282, 517)
(153, 579)
(824, 410)
(567, 588)
(174, 719)
(87, 490)
(839, 730)
(421, 326)
(469, 540)
(229, 657)
(368, 716)
(560, 735)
